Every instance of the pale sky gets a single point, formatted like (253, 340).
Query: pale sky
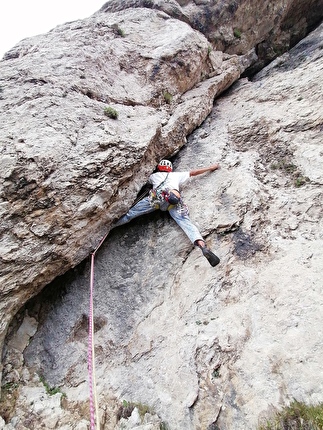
(25, 18)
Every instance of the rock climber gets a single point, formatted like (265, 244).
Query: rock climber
(165, 195)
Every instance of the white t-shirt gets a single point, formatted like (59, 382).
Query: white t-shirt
(173, 182)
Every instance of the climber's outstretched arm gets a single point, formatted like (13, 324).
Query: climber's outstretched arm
(204, 170)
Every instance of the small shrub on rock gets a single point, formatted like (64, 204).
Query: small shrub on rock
(110, 112)
(296, 416)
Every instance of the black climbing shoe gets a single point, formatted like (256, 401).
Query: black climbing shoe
(212, 258)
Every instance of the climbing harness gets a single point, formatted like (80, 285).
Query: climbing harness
(94, 409)
(156, 196)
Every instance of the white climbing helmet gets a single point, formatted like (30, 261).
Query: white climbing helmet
(165, 166)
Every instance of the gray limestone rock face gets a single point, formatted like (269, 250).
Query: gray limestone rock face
(193, 346)
(236, 27)
(87, 110)
(69, 169)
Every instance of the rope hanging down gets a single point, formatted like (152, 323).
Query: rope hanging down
(94, 409)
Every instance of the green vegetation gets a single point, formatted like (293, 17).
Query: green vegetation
(237, 33)
(284, 165)
(9, 387)
(278, 50)
(117, 30)
(120, 32)
(300, 180)
(297, 416)
(127, 407)
(110, 112)
(9, 395)
(216, 373)
(291, 169)
(50, 390)
(168, 97)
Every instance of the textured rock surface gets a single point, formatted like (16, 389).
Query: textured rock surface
(67, 169)
(236, 27)
(201, 346)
